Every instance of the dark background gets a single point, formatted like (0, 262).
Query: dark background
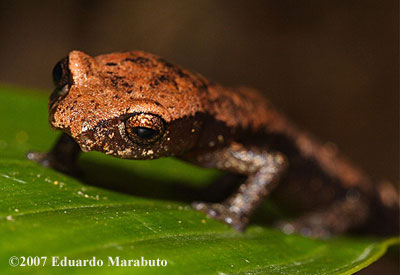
(332, 66)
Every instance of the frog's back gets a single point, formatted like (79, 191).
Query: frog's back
(138, 74)
(241, 107)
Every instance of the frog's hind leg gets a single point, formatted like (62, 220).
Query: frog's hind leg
(62, 156)
(347, 211)
(339, 217)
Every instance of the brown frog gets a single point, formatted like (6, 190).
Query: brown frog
(136, 105)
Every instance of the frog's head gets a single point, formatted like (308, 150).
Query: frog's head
(130, 105)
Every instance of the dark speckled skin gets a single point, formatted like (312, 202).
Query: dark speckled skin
(202, 122)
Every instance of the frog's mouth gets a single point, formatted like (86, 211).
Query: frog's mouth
(86, 141)
(110, 137)
(104, 137)
(54, 102)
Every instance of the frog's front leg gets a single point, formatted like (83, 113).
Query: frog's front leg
(263, 169)
(62, 156)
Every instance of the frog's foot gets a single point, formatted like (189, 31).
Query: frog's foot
(223, 213)
(43, 159)
(311, 226)
(50, 160)
(342, 215)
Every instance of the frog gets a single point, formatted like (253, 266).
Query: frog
(137, 105)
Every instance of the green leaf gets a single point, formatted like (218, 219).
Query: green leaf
(134, 209)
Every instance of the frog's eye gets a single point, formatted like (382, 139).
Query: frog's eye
(144, 129)
(62, 75)
(62, 79)
(57, 73)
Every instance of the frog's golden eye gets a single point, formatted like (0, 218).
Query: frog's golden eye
(144, 129)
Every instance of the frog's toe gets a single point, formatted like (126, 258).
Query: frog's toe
(223, 213)
(38, 157)
(49, 160)
(306, 227)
